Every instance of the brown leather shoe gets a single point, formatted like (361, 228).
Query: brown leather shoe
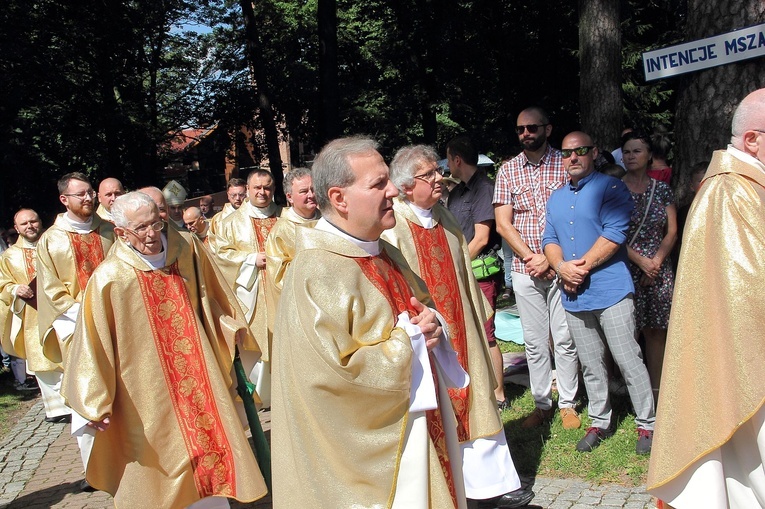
(570, 418)
(538, 417)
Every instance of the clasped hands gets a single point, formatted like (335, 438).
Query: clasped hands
(572, 274)
(650, 268)
(538, 266)
(428, 323)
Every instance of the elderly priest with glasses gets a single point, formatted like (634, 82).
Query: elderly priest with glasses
(154, 347)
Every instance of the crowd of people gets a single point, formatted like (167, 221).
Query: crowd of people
(363, 314)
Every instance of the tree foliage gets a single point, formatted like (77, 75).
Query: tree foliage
(102, 86)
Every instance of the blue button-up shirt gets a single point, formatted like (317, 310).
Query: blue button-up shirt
(599, 206)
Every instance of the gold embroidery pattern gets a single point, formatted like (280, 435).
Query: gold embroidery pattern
(88, 254)
(30, 262)
(382, 273)
(176, 337)
(437, 270)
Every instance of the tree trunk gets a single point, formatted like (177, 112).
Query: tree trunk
(329, 122)
(707, 99)
(267, 116)
(600, 74)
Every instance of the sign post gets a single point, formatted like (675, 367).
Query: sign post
(692, 56)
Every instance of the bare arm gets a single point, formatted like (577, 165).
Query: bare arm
(503, 214)
(536, 263)
(599, 253)
(480, 239)
(668, 242)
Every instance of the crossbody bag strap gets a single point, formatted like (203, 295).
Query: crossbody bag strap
(647, 209)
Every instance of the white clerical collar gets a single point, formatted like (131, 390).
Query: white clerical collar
(372, 248)
(748, 159)
(79, 226)
(424, 215)
(156, 261)
(28, 245)
(260, 213)
(107, 214)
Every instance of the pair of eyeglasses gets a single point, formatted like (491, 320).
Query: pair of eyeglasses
(83, 195)
(580, 151)
(143, 230)
(431, 175)
(531, 128)
(241, 196)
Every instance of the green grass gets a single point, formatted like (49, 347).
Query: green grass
(549, 450)
(13, 404)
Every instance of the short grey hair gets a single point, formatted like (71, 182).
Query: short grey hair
(293, 175)
(407, 161)
(130, 202)
(332, 167)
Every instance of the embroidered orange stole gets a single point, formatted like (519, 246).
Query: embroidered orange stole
(437, 270)
(262, 228)
(88, 254)
(30, 260)
(178, 344)
(30, 265)
(382, 273)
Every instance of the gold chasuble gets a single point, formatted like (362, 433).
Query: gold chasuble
(238, 236)
(280, 250)
(440, 257)
(158, 346)
(18, 318)
(715, 353)
(66, 259)
(342, 379)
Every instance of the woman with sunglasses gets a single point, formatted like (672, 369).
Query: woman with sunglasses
(652, 234)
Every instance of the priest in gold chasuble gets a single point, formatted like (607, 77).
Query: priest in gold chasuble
(280, 245)
(67, 254)
(709, 440)
(431, 241)
(239, 246)
(18, 311)
(361, 414)
(156, 339)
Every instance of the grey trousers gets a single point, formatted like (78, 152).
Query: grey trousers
(613, 327)
(542, 315)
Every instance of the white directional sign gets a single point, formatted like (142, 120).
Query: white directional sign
(710, 52)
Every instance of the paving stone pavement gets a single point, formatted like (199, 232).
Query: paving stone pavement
(40, 468)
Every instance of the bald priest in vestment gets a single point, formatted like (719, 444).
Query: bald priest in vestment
(18, 312)
(709, 441)
(156, 338)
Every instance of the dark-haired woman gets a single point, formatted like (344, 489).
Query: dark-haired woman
(652, 234)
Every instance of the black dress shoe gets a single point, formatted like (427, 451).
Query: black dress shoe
(593, 438)
(59, 419)
(86, 487)
(518, 498)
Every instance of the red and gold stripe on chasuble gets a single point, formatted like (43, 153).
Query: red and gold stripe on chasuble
(262, 228)
(88, 254)
(30, 263)
(381, 272)
(176, 337)
(437, 270)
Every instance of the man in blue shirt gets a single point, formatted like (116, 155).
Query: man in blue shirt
(584, 242)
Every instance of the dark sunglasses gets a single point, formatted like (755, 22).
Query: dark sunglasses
(580, 151)
(531, 128)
